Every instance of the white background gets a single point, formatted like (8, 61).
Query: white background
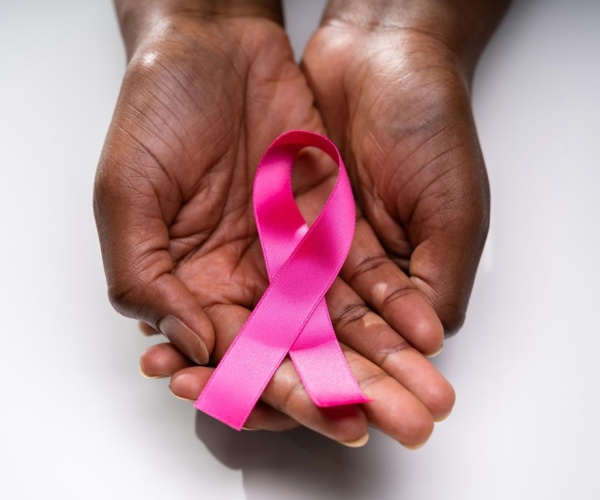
(77, 420)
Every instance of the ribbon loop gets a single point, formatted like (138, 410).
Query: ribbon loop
(292, 315)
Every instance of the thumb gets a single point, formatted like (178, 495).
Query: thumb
(134, 239)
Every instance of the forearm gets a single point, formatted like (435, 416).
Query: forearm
(138, 17)
(464, 26)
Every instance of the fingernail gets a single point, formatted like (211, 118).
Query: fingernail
(248, 429)
(435, 353)
(145, 375)
(184, 339)
(414, 446)
(180, 398)
(442, 418)
(358, 443)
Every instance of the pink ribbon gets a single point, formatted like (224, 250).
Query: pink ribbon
(292, 315)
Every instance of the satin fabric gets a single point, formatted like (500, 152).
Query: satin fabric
(292, 315)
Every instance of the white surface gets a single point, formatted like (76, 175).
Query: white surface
(77, 421)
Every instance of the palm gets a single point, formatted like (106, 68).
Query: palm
(215, 136)
(404, 122)
(199, 106)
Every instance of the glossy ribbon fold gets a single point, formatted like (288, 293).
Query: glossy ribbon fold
(292, 315)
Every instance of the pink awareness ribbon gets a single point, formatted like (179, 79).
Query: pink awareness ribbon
(292, 316)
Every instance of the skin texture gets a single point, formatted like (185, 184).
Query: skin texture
(206, 90)
(391, 80)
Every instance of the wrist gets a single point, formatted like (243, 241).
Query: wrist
(138, 19)
(461, 26)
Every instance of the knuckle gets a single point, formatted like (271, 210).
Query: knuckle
(350, 314)
(294, 399)
(388, 354)
(368, 264)
(395, 294)
(126, 296)
(373, 379)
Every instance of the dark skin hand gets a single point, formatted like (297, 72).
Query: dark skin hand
(392, 83)
(395, 97)
(206, 91)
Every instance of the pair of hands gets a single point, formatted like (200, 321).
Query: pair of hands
(204, 95)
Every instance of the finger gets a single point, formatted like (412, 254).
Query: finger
(408, 420)
(444, 270)
(163, 360)
(445, 247)
(188, 383)
(364, 331)
(135, 248)
(385, 288)
(285, 391)
(393, 409)
(368, 269)
(437, 211)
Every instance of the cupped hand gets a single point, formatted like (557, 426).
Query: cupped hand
(201, 101)
(395, 98)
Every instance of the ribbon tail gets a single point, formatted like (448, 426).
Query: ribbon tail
(321, 364)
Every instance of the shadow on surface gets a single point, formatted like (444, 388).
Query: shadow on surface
(295, 464)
